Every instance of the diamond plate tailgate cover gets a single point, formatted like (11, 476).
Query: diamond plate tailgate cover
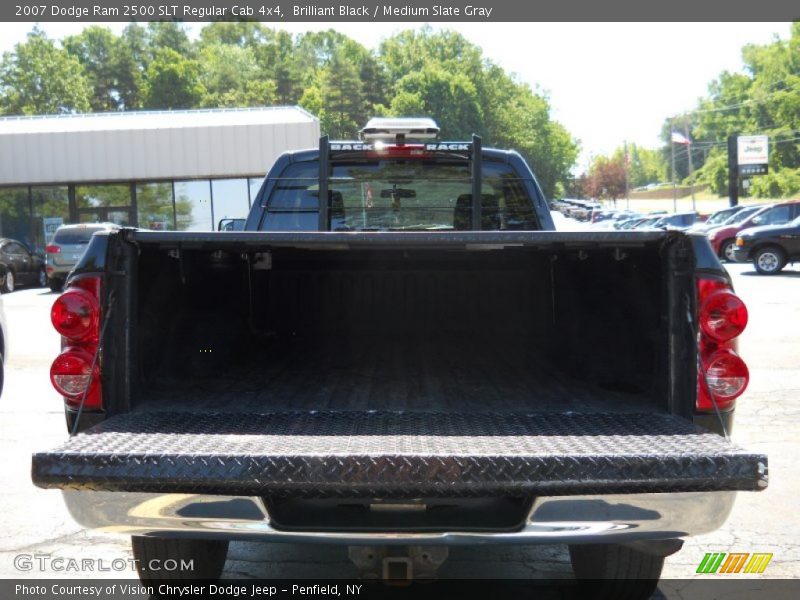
(398, 454)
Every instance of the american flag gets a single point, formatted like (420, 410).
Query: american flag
(677, 138)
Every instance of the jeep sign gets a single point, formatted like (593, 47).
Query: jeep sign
(753, 149)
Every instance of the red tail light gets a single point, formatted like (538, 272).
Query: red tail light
(71, 374)
(726, 375)
(76, 316)
(723, 316)
(53, 249)
(722, 374)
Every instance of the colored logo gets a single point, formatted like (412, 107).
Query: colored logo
(734, 562)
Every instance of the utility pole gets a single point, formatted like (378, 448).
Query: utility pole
(733, 170)
(672, 150)
(627, 179)
(691, 167)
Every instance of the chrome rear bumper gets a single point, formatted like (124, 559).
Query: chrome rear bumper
(553, 519)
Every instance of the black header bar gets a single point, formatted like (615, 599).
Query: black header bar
(448, 11)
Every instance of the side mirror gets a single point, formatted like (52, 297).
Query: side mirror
(231, 225)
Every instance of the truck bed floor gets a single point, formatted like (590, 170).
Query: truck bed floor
(412, 375)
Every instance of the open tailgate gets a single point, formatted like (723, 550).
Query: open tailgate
(398, 454)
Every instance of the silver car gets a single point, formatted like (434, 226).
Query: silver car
(66, 249)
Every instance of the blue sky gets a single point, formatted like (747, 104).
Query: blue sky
(607, 82)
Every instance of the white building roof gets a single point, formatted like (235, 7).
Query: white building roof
(150, 145)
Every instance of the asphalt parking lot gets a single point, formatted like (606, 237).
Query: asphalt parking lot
(34, 521)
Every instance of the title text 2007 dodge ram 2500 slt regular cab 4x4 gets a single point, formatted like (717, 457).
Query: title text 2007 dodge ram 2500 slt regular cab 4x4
(419, 361)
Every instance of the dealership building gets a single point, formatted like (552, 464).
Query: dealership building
(178, 170)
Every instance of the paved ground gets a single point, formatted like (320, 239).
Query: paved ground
(768, 419)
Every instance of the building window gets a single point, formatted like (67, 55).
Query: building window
(104, 203)
(230, 199)
(50, 211)
(193, 205)
(119, 216)
(101, 196)
(15, 215)
(154, 206)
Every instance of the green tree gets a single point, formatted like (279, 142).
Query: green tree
(449, 98)
(314, 103)
(110, 67)
(714, 171)
(285, 70)
(245, 34)
(523, 123)
(229, 75)
(172, 81)
(168, 34)
(408, 104)
(645, 166)
(38, 77)
(342, 112)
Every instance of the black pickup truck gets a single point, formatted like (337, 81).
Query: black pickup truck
(770, 247)
(420, 360)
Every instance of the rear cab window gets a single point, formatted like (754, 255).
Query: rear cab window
(399, 195)
(78, 235)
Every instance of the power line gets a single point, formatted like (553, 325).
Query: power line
(739, 104)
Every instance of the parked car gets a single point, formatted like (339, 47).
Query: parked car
(19, 266)
(681, 221)
(770, 247)
(723, 239)
(584, 211)
(717, 219)
(629, 223)
(599, 216)
(647, 223)
(232, 400)
(3, 344)
(67, 247)
(620, 216)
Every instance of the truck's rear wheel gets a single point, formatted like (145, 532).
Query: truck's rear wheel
(616, 572)
(170, 559)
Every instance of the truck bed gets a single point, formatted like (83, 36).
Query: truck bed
(304, 323)
(396, 375)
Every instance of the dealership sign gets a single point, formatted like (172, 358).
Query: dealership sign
(50, 224)
(753, 154)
